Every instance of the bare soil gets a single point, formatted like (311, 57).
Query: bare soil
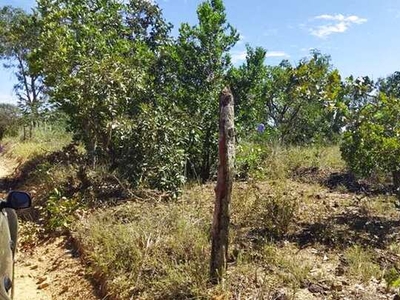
(51, 270)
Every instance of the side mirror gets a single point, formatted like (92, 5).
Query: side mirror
(18, 200)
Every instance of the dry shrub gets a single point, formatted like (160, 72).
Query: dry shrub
(149, 251)
(270, 207)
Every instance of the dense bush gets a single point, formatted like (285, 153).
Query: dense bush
(9, 116)
(146, 102)
(150, 151)
(371, 142)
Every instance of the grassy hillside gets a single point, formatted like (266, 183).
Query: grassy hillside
(287, 238)
(302, 227)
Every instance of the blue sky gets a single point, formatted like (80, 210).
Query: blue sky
(360, 35)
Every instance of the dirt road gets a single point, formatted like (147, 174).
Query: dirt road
(50, 270)
(6, 167)
(25, 284)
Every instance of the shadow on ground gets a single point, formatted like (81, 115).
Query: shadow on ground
(344, 180)
(348, 229)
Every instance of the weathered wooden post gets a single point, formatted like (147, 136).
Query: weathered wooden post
(223, 190)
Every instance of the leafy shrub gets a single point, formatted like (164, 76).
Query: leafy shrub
(60, 210)
(371, 143)
(249, 159)
(150, 150)
(8, 119)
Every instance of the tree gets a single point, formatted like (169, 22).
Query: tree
(201, 61)
(9, 115)
(302, 101)
(358, 93)
(390, 85)
(247, 83)
(105, 64)
(97, 59)
(19, 34)
(371, 142)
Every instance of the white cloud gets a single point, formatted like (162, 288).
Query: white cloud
(338, 24)
(238, 56)
(276, 54)
(7, 98)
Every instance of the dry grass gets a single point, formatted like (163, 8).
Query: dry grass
(45, 140)
(149, 251)
(269, 161)
(286, 239)
(361, 264)
(161, 250)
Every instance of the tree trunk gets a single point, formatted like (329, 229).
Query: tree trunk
(223, 190)
(206, 166)
(30, 129)
(396, 182)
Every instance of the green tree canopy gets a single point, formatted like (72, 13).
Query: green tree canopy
(302, 100)
(9, 115)
(247, 84)
(201, 60)
(97, 58)
(371, 141)
(19, 32)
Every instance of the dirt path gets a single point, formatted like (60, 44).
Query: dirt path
(6, 167)
(51, 271)
(25, 282)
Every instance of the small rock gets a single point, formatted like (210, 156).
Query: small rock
(280, 296)
(316, 288)
(63, 290)
(34, 267)
(337, 286)
(41, 279)
(43, 285)
(339, 271)
(359, 287)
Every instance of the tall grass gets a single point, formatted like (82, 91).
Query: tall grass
(274, 161)
(45, 139)
(153, 250)
(149, 251)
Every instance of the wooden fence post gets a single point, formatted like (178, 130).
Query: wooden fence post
(223, 190)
